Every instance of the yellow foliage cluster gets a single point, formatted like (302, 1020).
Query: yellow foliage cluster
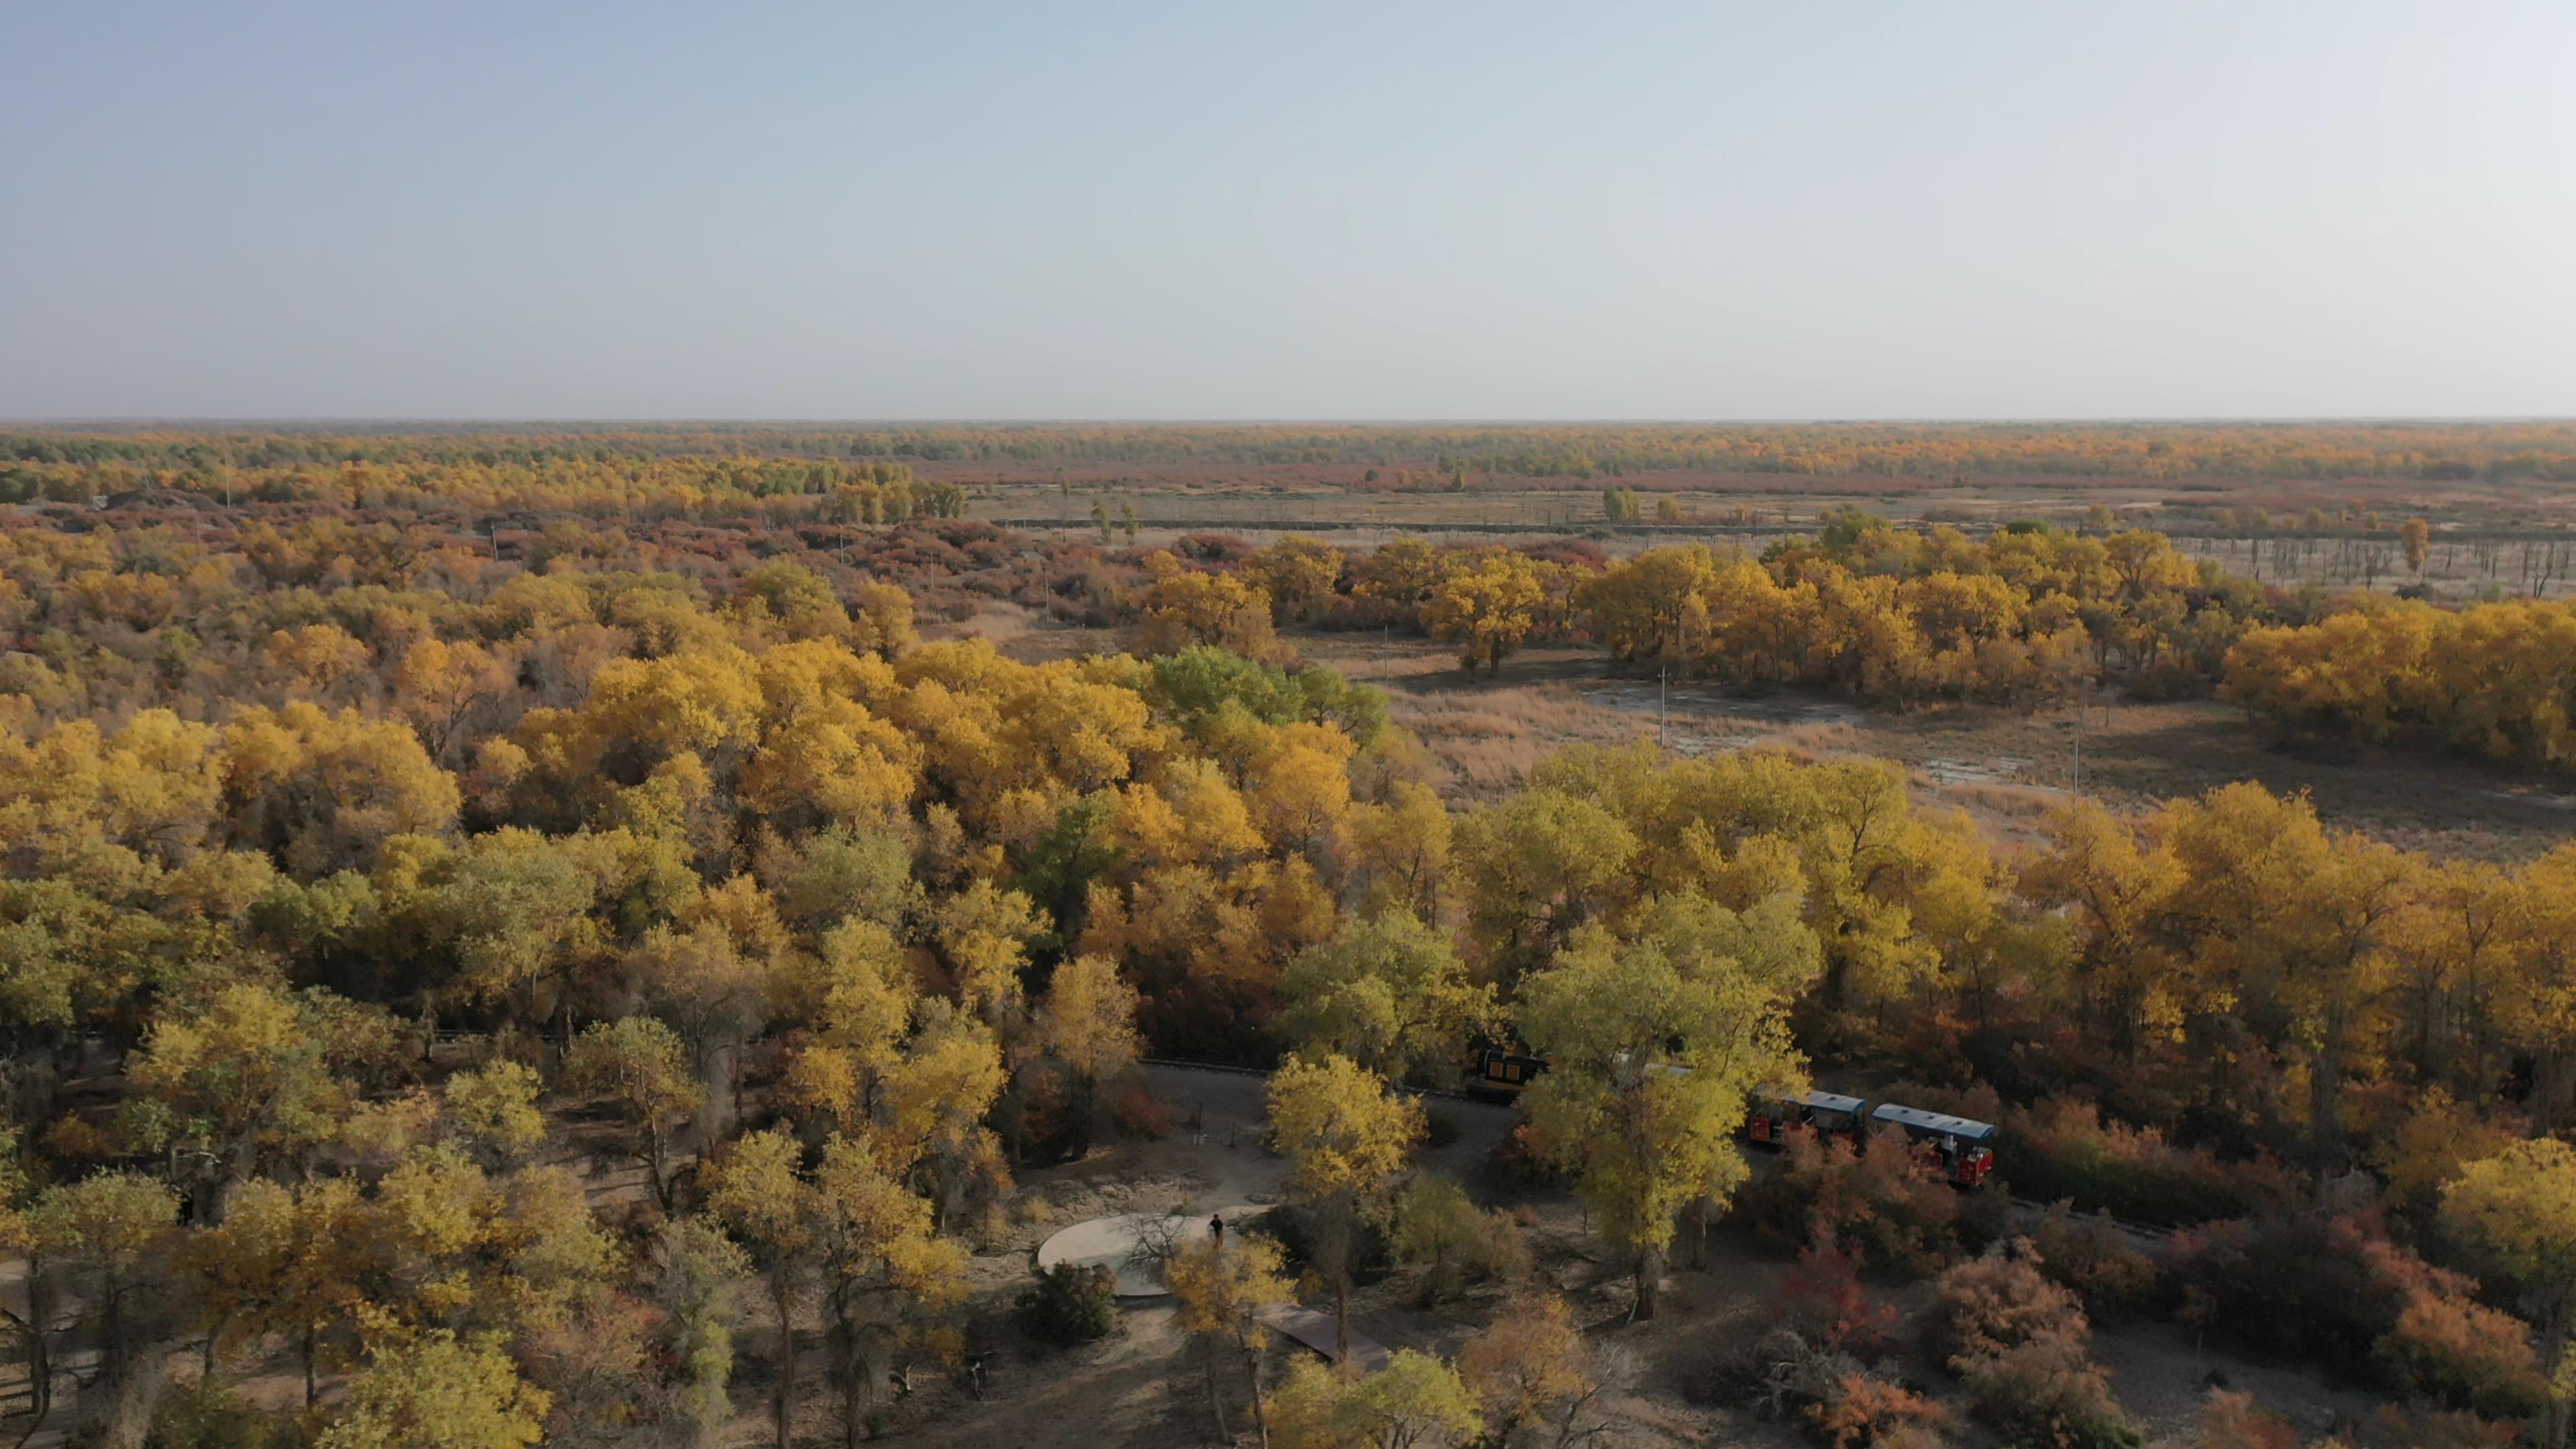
(1895, 615)
(2490, 679)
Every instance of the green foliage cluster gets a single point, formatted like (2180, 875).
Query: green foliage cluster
(1072, 1304)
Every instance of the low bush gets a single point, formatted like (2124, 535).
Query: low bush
(2448, 1348)
(196, 1417)
(1299, 1236)
(2232, 1421)
(1138, 1113)
(2021, 1345)
(1879, 1202)
(1792, 1377)
(1517, 1164)
(1824, 1301)
(1071, 1304)
(1783, 1374)
(2063, 1149)
(2392, 1427)
(1439, 1129)
(2337, 1290)
(2093, 1257)
(1871, 1413)
(1438, 1229)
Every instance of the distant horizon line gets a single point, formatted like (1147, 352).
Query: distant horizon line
(309, 421)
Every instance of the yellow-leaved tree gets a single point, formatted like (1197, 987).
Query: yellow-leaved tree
(1385, 991)
(1535, 1374)
(1344, 1135)
(880, 1259)
(755, 1191)
(1415, 1402)
(1486, 607)
(1088, 1023)
(2517, 1209)
(1298, 573)
(1183, 606)
(1223, 1287)
(640, 1065)
(1652, 1044)
(436, 1391)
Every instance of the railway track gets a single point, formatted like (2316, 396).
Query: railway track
(1190, 1066)
(2149, 1233)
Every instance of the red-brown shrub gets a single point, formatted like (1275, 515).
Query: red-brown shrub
(2231, 1421)
(2094, 1257)
(2339, 1290)
(1824, 1301)
(1878, 1202)
(1138, 1114)
(2020, 1342)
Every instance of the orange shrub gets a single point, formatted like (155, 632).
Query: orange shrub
(1138, 1114)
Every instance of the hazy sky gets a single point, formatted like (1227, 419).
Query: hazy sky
(1233, 210)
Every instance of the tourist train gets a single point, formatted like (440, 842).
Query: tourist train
(1961, 1149)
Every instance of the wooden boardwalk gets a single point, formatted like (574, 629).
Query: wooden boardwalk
(1315, 1330)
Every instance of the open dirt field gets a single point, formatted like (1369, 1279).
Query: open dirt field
(1247, 493)
(2006, 767)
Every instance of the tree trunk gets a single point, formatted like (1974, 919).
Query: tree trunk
(733, 1074)
(111, 1332)
(1084, 1108)
(1010, 1120)
(846, 1368)
(1342, 1317)
(712, 1098)
(40, 1359)
(2325, 1095)
(312, 1364)
(1260, 1411)
(1335, 1228)
(657, 1161)
(137, 1402)
(1650, 1281)
(214, 1341)
(783, 1397)
(1216, 1401)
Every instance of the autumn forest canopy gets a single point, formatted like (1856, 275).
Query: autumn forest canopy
(379, 810)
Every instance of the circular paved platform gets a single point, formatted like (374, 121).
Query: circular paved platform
(1114, 1241)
